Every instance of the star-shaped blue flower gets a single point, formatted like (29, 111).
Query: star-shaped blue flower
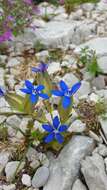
(66, 93)
(2, 93)
(55, 131)
(34, 91)
(41, 69)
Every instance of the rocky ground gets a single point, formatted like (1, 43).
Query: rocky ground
(82, 163)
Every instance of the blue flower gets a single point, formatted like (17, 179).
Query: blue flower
(55, 131)
(34, 91)
(66, 93)
(41, 69)
(2, 93)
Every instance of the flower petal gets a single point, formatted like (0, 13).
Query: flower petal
(56, 122)
(75, 87)
(1, 92)
(34, 69)
(47, 127)
(59, 138)
(43, 66)
(66, 101)
(63, 86)
(33, 98)
(49, 138)
(29, 84)
(57, 93)
(40, 87)
(26, 90)
(43, 95)
(63, 128)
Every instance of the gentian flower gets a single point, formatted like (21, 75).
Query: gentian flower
(6, 36)
(2, 93)
(66, 93)
(10, 2)
(41, 69)
(10, 18)
(34, 91)
(55, 131)
(29, 2)
(61, 2)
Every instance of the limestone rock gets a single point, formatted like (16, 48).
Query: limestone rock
(64, 169)
(93, 170)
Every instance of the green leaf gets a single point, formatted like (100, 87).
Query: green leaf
(55, 146)
(38, 135)
(40, 116)
(15, 101)
(28, 106)
(48, 106)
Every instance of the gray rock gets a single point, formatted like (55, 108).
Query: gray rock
(102, 62)
(54, 67)
(102, 94)
(87, 75)
(31, 154)
(65, 169)
(46, 7)
(84, 31)
(9, 187)
(42, 55)
(76, 15)
(11, 168)
(105, 161)
(4, 158)
(98, 82)
(102, 6)
(84, 90)
(94, 172)
(103, 125)
(2, 75)
(4, 106)
(36, 159)
(26, 180)
(43, 159)
(88, 6)
(3, 59)
(23, 41)
(2, 118)
(70, 79)
(97, 44)
(77, 126)
(13, 120)
(12, 123)
(94, 97)
(78, 185)
(56, 33)
(41, 176)
(101, 150)
(12, 62)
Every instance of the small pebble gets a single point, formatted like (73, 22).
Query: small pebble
(26, 180)
(40, 177)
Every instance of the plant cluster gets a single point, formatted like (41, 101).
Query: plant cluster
(38, 105)
(88, 58)
(15, 16)
(71, 4)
